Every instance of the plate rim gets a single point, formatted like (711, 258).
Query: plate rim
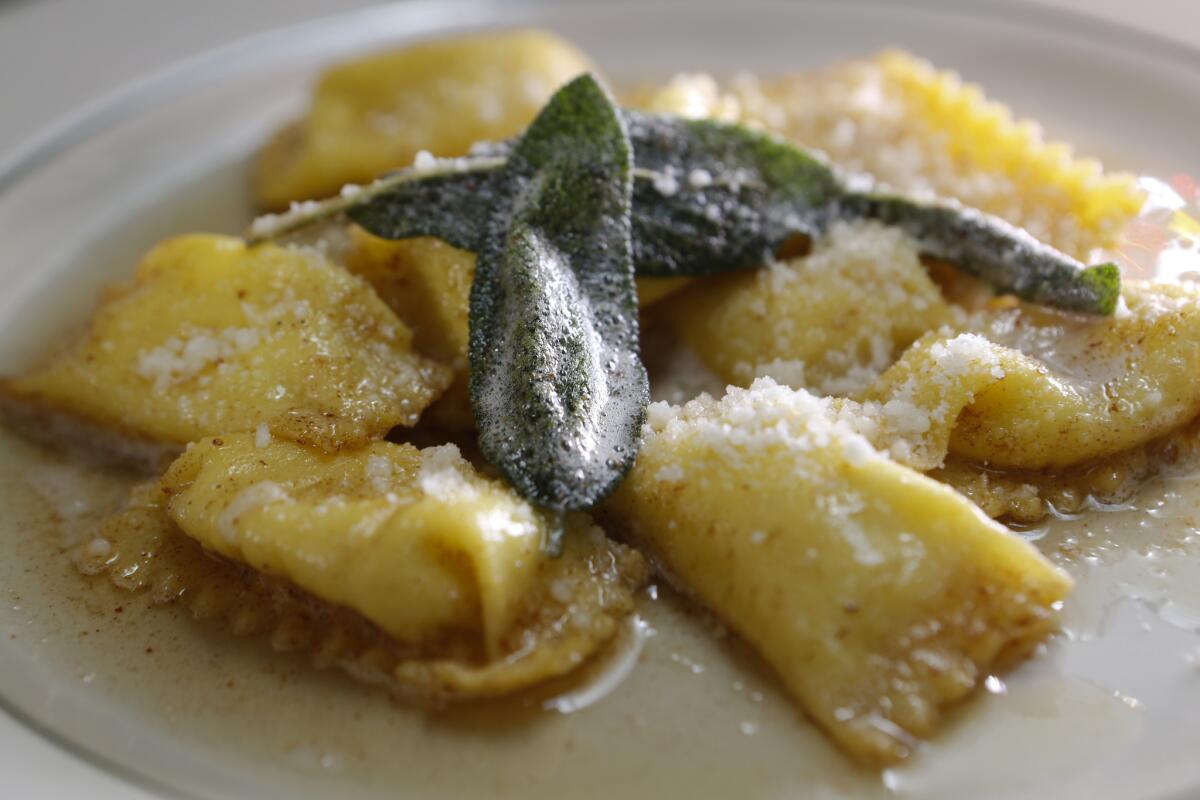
(203, 69)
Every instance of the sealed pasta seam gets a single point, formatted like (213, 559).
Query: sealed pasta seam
(984, 134)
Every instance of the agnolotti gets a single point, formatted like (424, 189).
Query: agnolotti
(375, 113)
(831, 321)
(877, 594)
(922, 130)
(447, 570)
(428, 284)
(1077, 389)
(911, 410)
(213, 337)
(1022, 388)
(1067, 406)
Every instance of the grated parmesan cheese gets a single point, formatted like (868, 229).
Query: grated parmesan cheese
(764, 415)
(699, 178)
(378, 472)
(517, 521)
(424, 160)
(441, 476)
(814, 438)
(181, 359)
(670, 473)
(252, 498)
(831, 322)
(665, 182)
(912, 420)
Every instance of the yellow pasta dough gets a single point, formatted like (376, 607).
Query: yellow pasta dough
(1040, 390)
(428, 284)
(911, 411)
(923, 131)
(574, 607)
(1076, 390)
(694, 95)
(1044, 392)
(1026, 496)
(375, 113)
(831, 321)
(878, 595)
(1049, 182)
(414, 540)
(216, 337)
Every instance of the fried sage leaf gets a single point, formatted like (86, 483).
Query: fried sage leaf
(1006, 257)
(557, 385)
(711, 197)
(708, 197)
(443, 185)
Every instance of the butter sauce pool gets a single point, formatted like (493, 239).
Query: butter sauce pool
(698, 715)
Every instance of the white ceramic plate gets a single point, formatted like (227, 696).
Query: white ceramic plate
(128, 702)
